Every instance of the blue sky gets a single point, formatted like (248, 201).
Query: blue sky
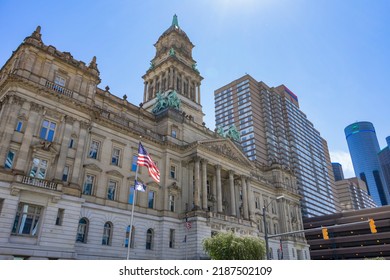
(334, 55)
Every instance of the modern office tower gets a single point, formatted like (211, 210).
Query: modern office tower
(364, 148)
(337, 171)
(68, 153)
(352, 194)
(384, 160)
(274, 131)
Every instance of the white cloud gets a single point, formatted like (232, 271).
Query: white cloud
(344, 159)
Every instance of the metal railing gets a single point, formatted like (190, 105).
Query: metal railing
(41, 183)
(59, 89)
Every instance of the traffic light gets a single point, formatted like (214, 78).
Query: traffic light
(371, 222)
(325, 233)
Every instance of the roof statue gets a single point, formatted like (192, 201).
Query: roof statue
(233, 133)
(173, 100)
(168, 100)
(220, 131)
(172, 51)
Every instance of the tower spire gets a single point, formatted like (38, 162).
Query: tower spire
(175, 22)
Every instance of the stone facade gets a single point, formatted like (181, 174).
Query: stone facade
(67, 151)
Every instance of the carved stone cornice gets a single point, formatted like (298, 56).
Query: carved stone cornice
(36, 107)
(17, 100)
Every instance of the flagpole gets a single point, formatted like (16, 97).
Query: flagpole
(132, 214)
(186, 238)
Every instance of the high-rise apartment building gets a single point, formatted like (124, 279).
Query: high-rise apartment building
(337, 171)
(384, 161)
(364, 148)
(274, 130)
(352, 194)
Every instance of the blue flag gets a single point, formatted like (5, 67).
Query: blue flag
(139, 186)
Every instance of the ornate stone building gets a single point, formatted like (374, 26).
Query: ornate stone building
(68, 151)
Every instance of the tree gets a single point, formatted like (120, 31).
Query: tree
(228, 246)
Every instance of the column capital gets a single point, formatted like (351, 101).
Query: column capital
(243, 177)
(196, 158)
(218, 167)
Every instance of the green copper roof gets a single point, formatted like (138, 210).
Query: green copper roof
(175, 22)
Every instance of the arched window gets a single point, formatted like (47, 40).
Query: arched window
(107, 233)
(132, 237)
(149, 239)
(82, 230)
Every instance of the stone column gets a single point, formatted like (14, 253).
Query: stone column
(232, 193)
(237, 199)
(219, 188)
(251, 201)
(198, 95)
(204, 184)
(191, 186)
(197, 202)
(171, 86)
(146, 94)
(7, 125)
(244, 197)
(214, 192)
(80, 151)
(33, 122)
(64, 147)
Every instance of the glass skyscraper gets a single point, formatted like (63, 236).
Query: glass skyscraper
(337, 171)
(275, 131)
(364, 148)
(384, 160)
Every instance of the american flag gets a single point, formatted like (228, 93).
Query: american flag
(145, 160)
(188, 225)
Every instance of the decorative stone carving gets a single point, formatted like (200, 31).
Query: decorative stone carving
(174, 188)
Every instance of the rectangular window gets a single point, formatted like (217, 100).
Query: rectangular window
(1, 204)
(47, 130)
(173, 133)
(115, 156)
(88, 184)
(39, 168)
(111, 191)
(171, 203)
(131, 195)
(151, 195)
(27, 219)
(134, 163)
(257, 203)
(172, 173)
(94, 149)
(71, 143)
(171, 238)
(60, 216)
(9, 161)
(59, 81)
(19, 126)
(65, 174)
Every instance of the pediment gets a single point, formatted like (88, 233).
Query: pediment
(92, 166)
(46, 146)
(115, 173)
(226, 148)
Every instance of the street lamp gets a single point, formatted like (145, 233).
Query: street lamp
(265, 225)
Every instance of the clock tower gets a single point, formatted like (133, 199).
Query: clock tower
(173, 72)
